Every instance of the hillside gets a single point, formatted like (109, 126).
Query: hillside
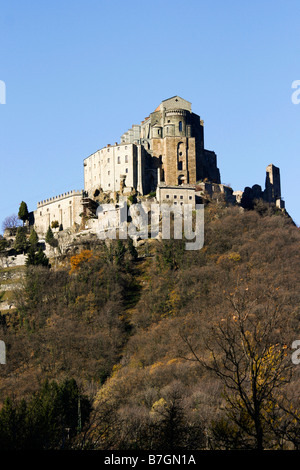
(175, 349)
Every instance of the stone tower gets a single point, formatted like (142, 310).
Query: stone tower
(172, 138)
(272, 191)
(167, 147)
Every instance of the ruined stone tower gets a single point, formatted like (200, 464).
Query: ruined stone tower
(272, 188)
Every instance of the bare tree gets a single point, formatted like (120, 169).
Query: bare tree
(246, 352)
(11, 221)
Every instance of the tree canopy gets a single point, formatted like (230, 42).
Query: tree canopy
(23, 213)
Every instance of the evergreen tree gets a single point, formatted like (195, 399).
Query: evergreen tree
(50, 237)
(37, 258)
(41, 258)
(131, 248)
(4, 244)
(33, 239)
(21, 243)
(120, 251)
(49, 420)
(23, 212)
(12, 425)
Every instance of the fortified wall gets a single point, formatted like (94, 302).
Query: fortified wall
(65, 209)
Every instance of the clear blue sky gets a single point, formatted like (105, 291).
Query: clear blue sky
(79, 73)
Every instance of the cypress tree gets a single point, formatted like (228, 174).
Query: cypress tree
(23, 212)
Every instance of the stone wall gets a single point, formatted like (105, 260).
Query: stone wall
(108, 167)
(176, 195)
(65, 208)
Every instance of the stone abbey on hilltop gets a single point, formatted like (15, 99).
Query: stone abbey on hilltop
(165, 155)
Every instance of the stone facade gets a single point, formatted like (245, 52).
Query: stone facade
(167, 147)
(176, 195)
(108, 169)
(65, 209)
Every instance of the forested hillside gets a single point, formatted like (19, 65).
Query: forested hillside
(170, 349)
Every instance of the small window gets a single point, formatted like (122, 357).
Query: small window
(126, 170)
(108, 172)
(126, 158)
(180, 126)
(175, 203)
(125, 147)
(181, 197)
(190, 197)
(119, 159)
(40, 213)
(108, 160)
(167, 196)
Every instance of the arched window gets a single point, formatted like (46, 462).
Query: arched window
(180, 126)
(180, 158)
(181, 180)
